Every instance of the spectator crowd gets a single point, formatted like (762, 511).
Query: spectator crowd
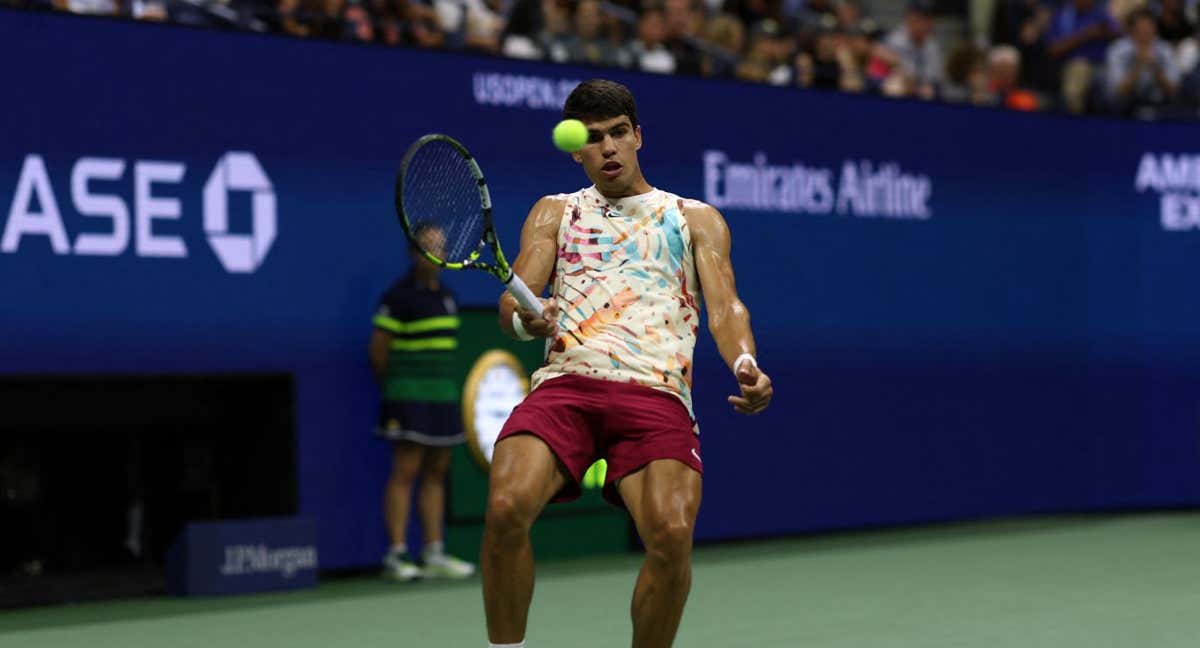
(1135, 58)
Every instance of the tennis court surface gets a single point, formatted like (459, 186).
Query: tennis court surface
(1067, 581)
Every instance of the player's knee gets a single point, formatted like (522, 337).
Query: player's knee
(507, 513)
(669, 540)
(404, 474)
(437, 467)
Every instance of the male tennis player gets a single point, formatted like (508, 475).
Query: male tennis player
(627, 264)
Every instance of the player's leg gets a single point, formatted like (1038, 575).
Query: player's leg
(406, 465)
(663, 498)
(525, 475)
(431, 503)
(431, 500)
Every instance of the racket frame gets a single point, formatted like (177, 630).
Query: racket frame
(500, 269)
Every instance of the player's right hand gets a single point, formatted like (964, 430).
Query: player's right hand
(544, 326)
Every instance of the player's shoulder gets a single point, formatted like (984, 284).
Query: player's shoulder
(696, 211)
(703, 221)
(561, 200)
(686, 205)
(552, 200)
(693, 206)
(546, 214)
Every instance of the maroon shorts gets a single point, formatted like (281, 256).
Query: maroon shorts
(584, 420)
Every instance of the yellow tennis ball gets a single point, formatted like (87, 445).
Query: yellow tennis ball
(570, 135)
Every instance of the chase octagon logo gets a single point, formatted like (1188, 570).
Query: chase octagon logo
(141, 217)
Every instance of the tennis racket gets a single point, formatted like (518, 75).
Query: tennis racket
(440, 186)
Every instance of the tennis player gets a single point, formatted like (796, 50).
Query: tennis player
(627, 265)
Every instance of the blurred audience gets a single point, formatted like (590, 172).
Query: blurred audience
(650, 54)
(1174, 21)
(424, 29)
(1135, 58)
(682, 25)
(910, 59)
(835, 60)
(1077, 40)
(1004, 79)
(590, 45)
(483, 23)
(726, 38)
(1141, 67)
(357, 24)
(967, 78)
(289, 19)
(1024, 24)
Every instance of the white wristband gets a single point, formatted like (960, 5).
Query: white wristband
(519, 328)
(745, 357)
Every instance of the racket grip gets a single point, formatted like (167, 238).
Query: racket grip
(523, 295)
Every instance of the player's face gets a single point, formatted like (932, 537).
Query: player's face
(610, 156)
(434, 240)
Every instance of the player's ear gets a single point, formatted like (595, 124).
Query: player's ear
(577, 157)
(638, 133)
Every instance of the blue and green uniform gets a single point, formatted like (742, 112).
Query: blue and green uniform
(420, 388)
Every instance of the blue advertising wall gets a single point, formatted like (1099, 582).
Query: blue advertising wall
(966, 312)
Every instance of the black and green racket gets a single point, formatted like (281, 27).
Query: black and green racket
(440, 186)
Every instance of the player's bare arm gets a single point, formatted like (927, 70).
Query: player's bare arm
(534, 263)
(728, 318)
(378, 351)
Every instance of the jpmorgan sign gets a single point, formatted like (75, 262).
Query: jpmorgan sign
(34, 213)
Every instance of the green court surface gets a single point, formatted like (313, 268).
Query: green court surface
(1127, 581)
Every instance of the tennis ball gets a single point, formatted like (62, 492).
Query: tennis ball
(570, 135)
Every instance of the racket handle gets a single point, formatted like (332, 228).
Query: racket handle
(523, 295)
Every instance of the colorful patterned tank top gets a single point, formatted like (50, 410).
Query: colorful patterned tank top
(628, 298)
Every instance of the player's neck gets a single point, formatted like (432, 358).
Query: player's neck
(427, 278)
(637, 188)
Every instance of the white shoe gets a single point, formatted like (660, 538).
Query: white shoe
(400, 567)
(447, 566)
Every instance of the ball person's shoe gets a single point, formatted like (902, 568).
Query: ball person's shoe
(447, 566)
(398, 566)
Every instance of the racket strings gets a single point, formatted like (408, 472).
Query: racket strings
(440, 191)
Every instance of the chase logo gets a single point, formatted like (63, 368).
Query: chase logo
(145, 218)
(239, 252)
(1176, 179)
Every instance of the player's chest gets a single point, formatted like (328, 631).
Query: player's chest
(640, 244)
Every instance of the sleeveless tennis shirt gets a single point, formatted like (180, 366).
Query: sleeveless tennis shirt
(627, 293)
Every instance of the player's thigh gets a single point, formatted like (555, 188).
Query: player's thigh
(406, 460)
(663, 498)
(524, 475)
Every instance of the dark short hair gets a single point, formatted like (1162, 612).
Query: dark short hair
(417, 230)
(1139, 14)
(600, 99)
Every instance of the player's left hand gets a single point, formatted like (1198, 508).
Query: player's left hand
(756, 390)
